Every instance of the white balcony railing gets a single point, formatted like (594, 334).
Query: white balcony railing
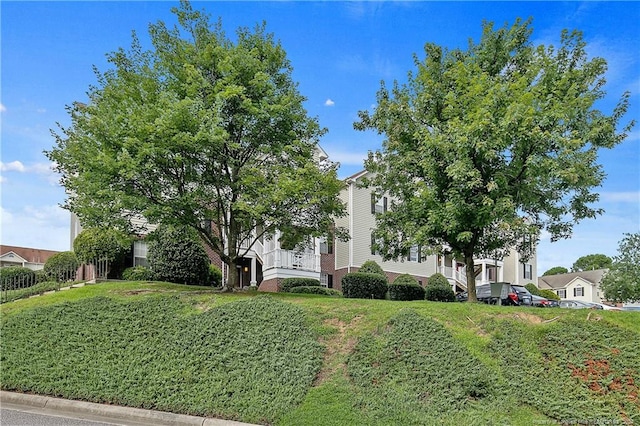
(459, 275)
(288, 259)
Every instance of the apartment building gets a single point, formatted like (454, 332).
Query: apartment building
(266, 264)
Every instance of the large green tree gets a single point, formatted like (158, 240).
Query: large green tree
(200, 131)
(591, 262)
(622, 282)
(487, 146)
(556, 270)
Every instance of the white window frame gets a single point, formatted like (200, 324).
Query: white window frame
(562, 293)
(140, 251)
(581, 291)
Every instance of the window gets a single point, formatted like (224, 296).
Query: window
(578, 292)
(373, 244)
(326, 280)
(378, 205)
(528, 271)
(414, 254)
(562, 293)
(140, 253)
(326, 246)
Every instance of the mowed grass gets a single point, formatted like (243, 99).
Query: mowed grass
(312, 360)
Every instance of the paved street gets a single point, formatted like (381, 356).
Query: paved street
(43, 417)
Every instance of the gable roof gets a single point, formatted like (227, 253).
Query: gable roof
(30, 255)
(563, 280)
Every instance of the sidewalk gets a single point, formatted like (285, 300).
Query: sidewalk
(106, 413)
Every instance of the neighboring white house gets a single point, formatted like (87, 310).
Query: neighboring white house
(25, 257)
(583, 286)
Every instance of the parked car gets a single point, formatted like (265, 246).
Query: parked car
(540, 301)
(515, 295)
(524, 296)
(577, 304)
(631, 308)
(606, 307)
(553, 303)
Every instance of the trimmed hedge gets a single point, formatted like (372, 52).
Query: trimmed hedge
(361, 285)
(316, 290)
(549, 294)
(137, 273)
(23, 293)
(62, 266)
(371, 267)
(14, 277)
(405, 287)
(438, 289)
(437, 293)
(289, 283)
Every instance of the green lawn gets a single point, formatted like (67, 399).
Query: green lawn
(304, 359)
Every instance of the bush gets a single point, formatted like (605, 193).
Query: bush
(438, 279)
(533, 289)
(371, 267)
(62, 266)
(315, 290)
(176, 255)
(23, 293)
(290, 283)
(137, 273)
(14, 277)
(405, 287)
(215, 276)
(549, 294)
(361, 285)
(439, 290)
(101, 244)
(41, 276)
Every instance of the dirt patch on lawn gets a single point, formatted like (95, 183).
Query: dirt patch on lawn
(525, 317)
(338, 347)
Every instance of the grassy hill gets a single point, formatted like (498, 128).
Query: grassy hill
(308, 360)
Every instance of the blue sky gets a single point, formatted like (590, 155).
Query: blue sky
(340, 51)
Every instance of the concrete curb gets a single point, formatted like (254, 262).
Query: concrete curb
(115, 412)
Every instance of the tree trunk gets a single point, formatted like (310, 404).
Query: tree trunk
(233, 281)
(471, 278)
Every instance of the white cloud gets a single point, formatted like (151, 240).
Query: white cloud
(14, 166)
(2, 108)
(329, 103)
(621, 197)
(41, 110)
(44, 227)
(18, 166)
(348, 158)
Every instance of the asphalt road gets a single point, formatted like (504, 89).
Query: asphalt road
(16, 417)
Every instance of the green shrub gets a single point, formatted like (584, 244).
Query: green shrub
(62, 266)
(101, 244)
(361, 285)
(549, 294)
(176, 255)
(14, 277)
(289, 283)
(533, 289)
(23, 293)
(405, 287)
(41, 276)
(371, 267)
(215, 276)
(438, 279)
(438, 289)
(315, 290)
(137, 273)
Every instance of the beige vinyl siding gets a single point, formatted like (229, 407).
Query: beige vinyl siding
(341, 248)
(513, 269)
(363, 224)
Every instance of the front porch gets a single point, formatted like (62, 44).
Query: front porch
(485, 271)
